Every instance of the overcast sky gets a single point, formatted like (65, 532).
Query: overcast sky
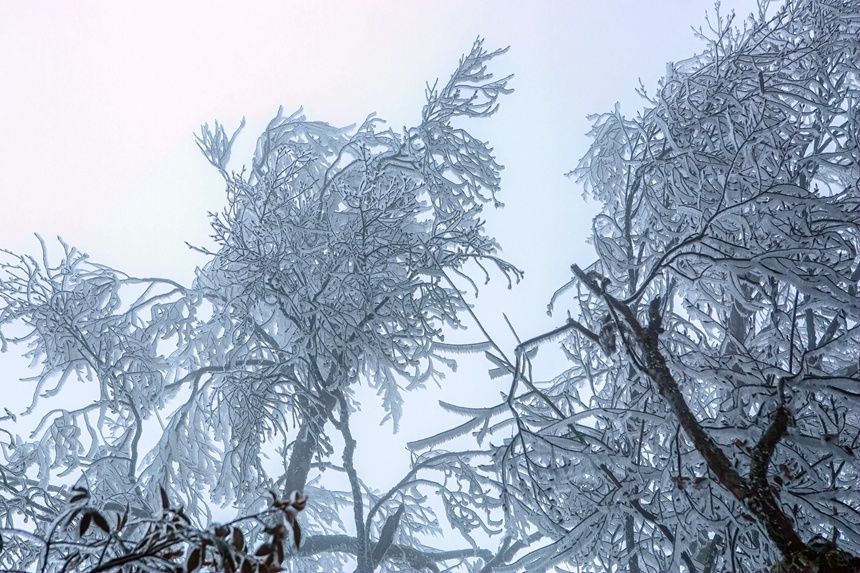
(99, 101)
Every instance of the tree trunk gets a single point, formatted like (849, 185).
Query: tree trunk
(307, 443)
(754, 492)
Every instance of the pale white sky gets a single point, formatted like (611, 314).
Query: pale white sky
(99, 101)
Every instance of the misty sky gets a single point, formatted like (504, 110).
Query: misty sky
(99, 101)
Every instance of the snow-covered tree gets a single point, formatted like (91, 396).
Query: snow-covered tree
(709, 418)
(331, 270)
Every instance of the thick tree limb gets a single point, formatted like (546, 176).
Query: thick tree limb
(755, 493)
(306, 443)
(658, 370)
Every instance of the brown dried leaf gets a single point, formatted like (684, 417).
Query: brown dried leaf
(238, 539)
(193, 562)
(80, 494)
(85, 523)
(278, 532)
(181, 513)
(171, 555)
(300, 502)
(264, 549)
(101, 522)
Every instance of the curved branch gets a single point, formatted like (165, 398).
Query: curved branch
(416, 558)
(755, 492)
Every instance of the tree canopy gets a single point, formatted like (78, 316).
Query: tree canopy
(706, 420)
(331, 269)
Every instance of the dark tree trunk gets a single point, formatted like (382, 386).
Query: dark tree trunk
(754, 492)
(307, 443)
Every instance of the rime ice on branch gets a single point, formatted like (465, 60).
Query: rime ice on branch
(708, 419)
(331, 269)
